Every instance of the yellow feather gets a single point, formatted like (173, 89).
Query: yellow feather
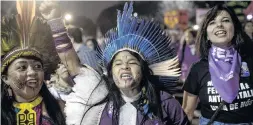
(26, 11)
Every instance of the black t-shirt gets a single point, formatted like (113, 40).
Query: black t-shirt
(199, 83)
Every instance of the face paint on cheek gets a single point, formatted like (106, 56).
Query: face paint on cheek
(18, 83)
(125, 84)
(115, 79)
(17, 79)
(33, 92)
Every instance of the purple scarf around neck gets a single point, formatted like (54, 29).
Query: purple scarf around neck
(224, 67)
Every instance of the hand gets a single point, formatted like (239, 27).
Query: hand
(63, 73)
(48, 83)
(50, 10)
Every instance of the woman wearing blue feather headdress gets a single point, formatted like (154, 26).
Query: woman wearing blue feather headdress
(140, 62)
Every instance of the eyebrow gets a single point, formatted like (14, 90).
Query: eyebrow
(225, 17)
(22, 62)
(132, 59)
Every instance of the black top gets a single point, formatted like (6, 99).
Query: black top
(239, 111)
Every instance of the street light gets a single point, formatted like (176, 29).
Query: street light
(135, 14)
(68, 17)
(249, 17)
(195, 27)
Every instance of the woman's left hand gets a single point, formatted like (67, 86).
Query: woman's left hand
(50, 10)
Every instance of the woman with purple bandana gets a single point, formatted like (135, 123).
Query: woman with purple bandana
(222, 79)
(140, 62)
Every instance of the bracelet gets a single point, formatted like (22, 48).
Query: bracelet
(60, 31)
(64, 39)
(59, 34)
(56, 25)
(64, 49)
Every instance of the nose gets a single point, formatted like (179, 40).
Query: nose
(31, 71)
(125, 66)
(219, 24)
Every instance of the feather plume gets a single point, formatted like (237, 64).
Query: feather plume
(165, 68)
(145, 38)
(26, 32)
(26, 13)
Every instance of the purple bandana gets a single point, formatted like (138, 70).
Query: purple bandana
(224, 67)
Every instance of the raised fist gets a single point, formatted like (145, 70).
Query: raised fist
(50, 10)
(62, 72)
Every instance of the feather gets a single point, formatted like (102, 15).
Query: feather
(145, 38)
(26, 32)
(26, 13)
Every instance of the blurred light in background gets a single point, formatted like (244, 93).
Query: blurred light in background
(249, 17)
(135, 14)
(196, 27)
(68, 17)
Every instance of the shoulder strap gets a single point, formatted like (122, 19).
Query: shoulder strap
(216, 112)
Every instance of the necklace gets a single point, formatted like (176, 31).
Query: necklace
(26, 114)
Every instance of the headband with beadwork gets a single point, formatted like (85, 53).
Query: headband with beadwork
(25, 35)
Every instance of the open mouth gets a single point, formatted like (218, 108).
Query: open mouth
(126, 76)
(32, 83)
(220, 33)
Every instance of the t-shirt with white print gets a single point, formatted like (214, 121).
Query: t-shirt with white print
(199, 83)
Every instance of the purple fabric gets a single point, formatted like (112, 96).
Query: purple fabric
(61, 40)
(224, 67)
(38, 110)
(58, 30)
(66, 48)
(173, 114)
(189, 59)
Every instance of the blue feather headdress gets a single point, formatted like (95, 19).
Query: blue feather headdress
(145, 38)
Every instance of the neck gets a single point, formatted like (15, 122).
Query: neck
(250, 35)
(22, 100)
(132, 98)
(223, 46)
(130, 93)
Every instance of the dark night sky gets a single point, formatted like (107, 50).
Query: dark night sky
(90, 9)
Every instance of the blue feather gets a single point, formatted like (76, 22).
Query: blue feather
(143, 36)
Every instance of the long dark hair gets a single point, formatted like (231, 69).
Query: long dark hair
(95, 43)
(244, 25)
(76, 33)
(152, 94)
(193, 33)
(239, 41)
(8, 114)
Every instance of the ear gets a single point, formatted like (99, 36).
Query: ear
(5, 79)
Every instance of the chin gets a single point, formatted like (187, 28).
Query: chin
(30, 96)
(126, 85)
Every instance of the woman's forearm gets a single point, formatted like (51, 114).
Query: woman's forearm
(64, 46)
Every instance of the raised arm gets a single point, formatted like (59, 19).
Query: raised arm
(50, 10)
